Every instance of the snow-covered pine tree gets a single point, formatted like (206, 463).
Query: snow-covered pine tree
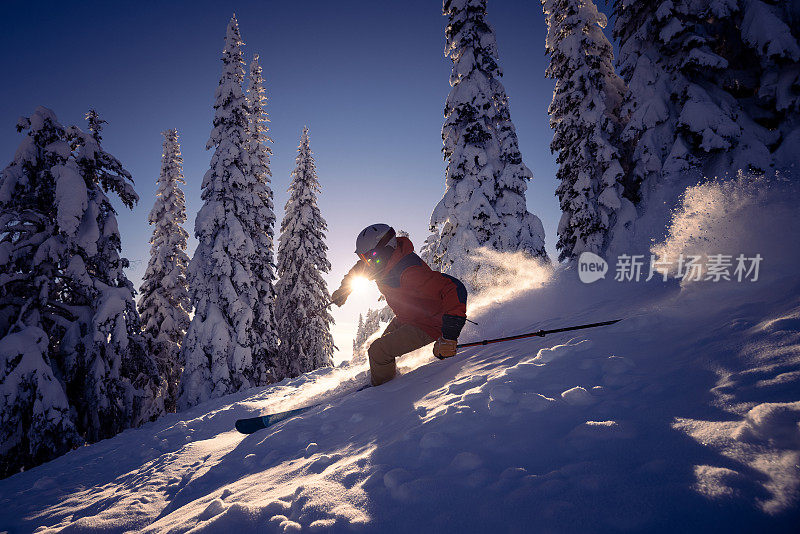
(484, 199)
(218, 349)
(164, 302)
(695, 86)
(584, 115)
(647, 111)
(121, 384)
(428, 249)
(73, 365)
(771, 30)
(302, 295)
(35, 421)
(266, 361)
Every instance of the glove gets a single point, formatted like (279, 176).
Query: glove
(339, 296)
(444, 348)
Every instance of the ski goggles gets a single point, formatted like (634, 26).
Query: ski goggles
(372, 257)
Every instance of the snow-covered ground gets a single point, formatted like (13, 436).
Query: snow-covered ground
(685, 417)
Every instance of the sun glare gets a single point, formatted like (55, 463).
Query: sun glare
(359, 284)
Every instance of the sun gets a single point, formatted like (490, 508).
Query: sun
(359, 284)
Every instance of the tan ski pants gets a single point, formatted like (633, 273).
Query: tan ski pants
(395, 341)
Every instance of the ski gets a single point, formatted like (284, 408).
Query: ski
(254, 424)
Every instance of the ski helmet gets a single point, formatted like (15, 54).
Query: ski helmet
(374, 236)
(375, 244)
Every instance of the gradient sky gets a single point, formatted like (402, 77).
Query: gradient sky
(368, 78)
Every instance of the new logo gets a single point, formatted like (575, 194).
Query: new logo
(591, 267)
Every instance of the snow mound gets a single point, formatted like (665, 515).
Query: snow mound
(777, 423)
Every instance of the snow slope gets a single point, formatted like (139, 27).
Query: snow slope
(683, 417)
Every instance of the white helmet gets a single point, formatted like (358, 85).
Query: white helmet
(374, 236)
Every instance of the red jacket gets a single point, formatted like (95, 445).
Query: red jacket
(416, 294)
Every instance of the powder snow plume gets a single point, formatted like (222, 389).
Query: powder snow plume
(512, 273)
(730, 218)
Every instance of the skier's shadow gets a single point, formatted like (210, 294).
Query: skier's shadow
(348, 424)
(324, 426)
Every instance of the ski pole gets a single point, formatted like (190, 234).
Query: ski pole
(540, 333)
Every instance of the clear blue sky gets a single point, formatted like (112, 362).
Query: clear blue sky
(368, 78)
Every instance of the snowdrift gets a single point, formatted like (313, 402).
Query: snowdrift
(683, 417)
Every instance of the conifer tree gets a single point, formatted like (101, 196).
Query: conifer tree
(700, 93)
(73, 365)
(770, 29)
(584, 115)
(484, 200)
(265, 352)
(164, 301)
(218, 349)
(302, 295)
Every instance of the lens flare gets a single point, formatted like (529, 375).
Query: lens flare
(359, 284)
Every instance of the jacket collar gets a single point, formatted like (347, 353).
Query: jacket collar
(404, 248)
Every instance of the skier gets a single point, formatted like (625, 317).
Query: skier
(428, 305)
